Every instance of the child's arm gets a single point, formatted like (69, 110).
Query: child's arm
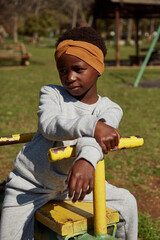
(105, 131)
(89, 152)
(80, 180)
(81, 175)
(107, 136)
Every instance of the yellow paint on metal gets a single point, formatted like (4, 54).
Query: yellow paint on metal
(16, 138)
(130, 142)
(100, 221)
(59, 153)
(67, 218)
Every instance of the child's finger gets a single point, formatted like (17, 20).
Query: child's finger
(77, 191)
(91, 186)
(71, 185)
(104, 148)
(83, 192)
(68, 177)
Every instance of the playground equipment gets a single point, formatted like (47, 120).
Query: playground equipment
(136, 83)
(15, 51)
(67, 220)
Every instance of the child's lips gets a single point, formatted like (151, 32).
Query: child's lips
(75, 88)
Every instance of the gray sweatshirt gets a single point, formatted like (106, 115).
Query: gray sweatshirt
(63, 120)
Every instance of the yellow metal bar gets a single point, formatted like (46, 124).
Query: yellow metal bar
(100, 219)
(129, 142)
(16, 138)
(59, 153)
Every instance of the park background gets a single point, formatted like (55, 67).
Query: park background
(38, 25)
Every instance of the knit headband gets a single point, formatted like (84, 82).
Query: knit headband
(87, 52)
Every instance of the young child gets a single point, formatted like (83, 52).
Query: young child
(72, 114)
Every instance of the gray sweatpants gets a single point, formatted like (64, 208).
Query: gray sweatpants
(23, 198)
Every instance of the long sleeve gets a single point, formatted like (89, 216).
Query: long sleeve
(55, 125)
(89, 149)
(109, 112)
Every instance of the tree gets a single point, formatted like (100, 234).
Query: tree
(42, 24)
(68, 13)
(75, 10)
(12, 10)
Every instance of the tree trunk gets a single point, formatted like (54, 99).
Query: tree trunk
(83, 19)
(75, 12)
(15, 28)
(152, 21)
(90, 21)
(129, 30)
(117, 37)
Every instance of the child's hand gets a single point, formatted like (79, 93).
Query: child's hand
(80, 180)
(107, 136)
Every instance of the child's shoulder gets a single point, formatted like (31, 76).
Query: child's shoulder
(106, 103)
(52, 87)
(55, 91)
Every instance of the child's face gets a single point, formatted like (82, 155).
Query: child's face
(78, 78)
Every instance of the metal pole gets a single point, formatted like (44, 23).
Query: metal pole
(16, 138)
(147, 58)
(99, 194)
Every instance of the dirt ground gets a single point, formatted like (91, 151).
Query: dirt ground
(147, 195)
(149, 199)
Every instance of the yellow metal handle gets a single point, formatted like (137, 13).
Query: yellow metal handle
(129, 142)
(59, 153)
(16, 138)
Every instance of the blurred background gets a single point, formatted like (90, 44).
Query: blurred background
(34, 20)
(28, 33)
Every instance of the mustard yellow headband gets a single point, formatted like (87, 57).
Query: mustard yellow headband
(87, 52)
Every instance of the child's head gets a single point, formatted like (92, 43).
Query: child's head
(84, 43)
(86, 34)
(80, 61)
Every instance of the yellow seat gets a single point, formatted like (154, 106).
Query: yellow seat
(67, 218)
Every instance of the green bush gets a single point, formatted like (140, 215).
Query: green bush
(42, 24)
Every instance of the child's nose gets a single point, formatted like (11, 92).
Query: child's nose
(71, 76)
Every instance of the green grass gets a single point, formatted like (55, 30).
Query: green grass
(19, 103)
(148, 229)
(141, 117)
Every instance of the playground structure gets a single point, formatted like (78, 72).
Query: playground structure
(15, 51)
(127, 9)
(67, 220)
(147, 58)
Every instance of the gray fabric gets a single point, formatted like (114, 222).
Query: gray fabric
(62, 121)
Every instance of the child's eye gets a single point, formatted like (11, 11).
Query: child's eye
(62, 71)
(79, 69)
